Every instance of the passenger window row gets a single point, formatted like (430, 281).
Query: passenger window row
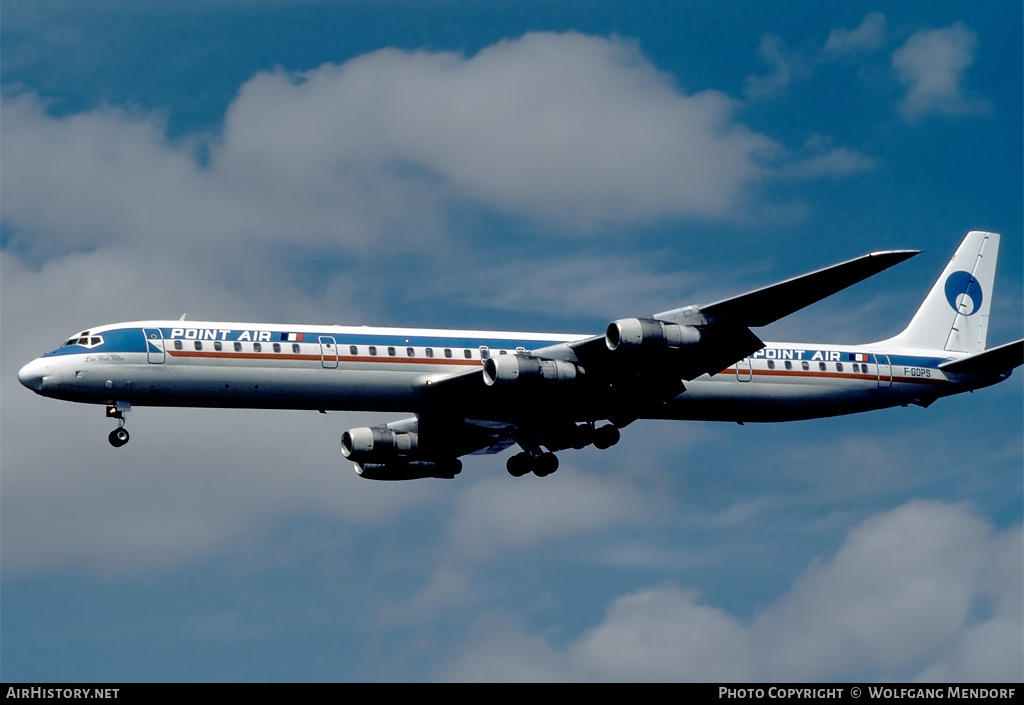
(859, 368)
(372, 350)
(448, 353)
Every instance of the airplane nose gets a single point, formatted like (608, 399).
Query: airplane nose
(31, 375)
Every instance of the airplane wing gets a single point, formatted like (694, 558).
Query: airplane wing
(638, 360)
(768, 304)
(545, 397)
(723, 328)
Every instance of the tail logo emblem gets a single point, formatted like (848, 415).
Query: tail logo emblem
(963, 292)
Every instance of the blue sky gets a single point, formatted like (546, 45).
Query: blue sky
(539, 166)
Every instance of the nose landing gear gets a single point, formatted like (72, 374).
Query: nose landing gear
(119, 436)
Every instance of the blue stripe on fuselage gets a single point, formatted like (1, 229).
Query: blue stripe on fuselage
(916, 361)
(131, 340)
(812, 352)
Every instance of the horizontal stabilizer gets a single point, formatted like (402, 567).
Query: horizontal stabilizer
(764, 306)
(1001, 359)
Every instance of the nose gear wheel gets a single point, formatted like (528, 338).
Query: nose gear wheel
(118, 437)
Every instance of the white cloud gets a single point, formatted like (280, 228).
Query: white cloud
(447, 589)
(501, 514)
(933, 64)
(896, 595)
(783, 64)
(834, 163)
(910, 593)
(366, 156)
(499, 649)
(788, 65)
(867, 36)
(566, 128)
(598, 285)
(571, 128)
(111, 179)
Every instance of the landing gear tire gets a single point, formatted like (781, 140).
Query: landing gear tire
(583, 436)
(540, 465)
(605, 437)
(545, 464)
(118, 437)
(518, 465)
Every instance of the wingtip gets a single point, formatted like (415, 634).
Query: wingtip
(895, 256)
(905, 254)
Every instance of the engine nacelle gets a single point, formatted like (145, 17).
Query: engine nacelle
(508, 369)
(377, 444)
(648, 332)
(410, 470)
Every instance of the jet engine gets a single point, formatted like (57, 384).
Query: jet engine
(507, 369)
(648, 332)
(390, 453)
(377, 444)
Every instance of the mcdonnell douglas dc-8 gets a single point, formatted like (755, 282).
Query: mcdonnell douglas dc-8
(476, 392)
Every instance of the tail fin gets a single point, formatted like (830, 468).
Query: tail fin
(954, 316)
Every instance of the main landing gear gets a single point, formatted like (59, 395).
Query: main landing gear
(540, 464)
(119, 436)
(543, 464)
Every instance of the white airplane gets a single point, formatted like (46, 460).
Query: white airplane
(475, 392)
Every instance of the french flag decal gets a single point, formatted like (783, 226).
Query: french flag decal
(859, 357)
(292, 337)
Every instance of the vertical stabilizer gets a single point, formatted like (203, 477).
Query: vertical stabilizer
(954, 316)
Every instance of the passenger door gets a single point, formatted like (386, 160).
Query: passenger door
(155, 351)
(328, 351)
(884, 371)
(744, 373)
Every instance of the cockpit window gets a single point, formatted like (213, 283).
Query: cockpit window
(85, 340)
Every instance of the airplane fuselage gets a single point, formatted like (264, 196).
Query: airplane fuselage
(265, 366)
